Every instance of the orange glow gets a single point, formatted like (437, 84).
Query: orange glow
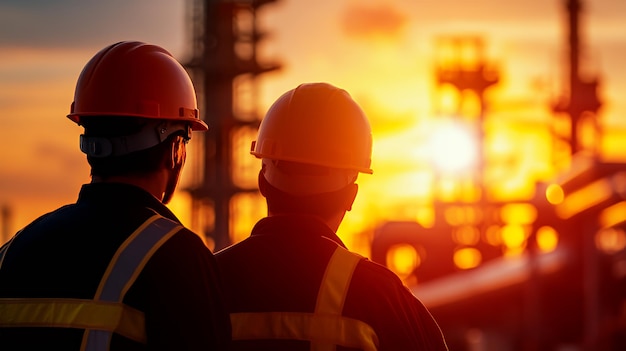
(467, 257)
(403, 259)
(246, 209)
(471, 106)
(584, 198)
(180, 205)
(554, 194)
(493, 235)
(610, 240)
(426, 217)
(449, 100)
(589, 131)
(459, 215)
(518, 213)
(245, 166)
(448, 189)
(517, 156)
(390, 71)
(613, 215)
(514, 238)
(613, 146)
(547, 239)
(466, 235)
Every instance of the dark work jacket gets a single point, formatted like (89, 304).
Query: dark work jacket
(280, 268)
(64, 254)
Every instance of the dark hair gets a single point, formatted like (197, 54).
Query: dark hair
(140, 162)
(324, 205)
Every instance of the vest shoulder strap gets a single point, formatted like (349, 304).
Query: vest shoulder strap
(326, 326)
(105, 314)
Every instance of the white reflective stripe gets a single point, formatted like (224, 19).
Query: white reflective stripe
(97, 340)
(124, 268)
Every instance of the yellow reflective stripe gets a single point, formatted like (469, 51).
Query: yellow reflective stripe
(118, 253)
(334, 289)
(73, 313)
(336, 330)
(336, 281)
(125, 267)
(105, 314)
(133, 255)
(324, 328)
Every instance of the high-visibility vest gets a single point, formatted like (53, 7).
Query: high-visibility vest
(325, 327)
(105, 314)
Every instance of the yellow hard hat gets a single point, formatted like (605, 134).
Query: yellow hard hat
(316, 124)
(136, 79)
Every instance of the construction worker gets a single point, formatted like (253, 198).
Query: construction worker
(117, 270)
(292, 284)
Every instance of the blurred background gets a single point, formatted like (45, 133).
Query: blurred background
(499, 184)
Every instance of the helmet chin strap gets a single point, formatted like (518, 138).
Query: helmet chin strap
(151, 135)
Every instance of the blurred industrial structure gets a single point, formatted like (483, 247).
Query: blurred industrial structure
(225, 67)
(564, 289)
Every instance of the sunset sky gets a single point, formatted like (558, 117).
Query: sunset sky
(382, 51)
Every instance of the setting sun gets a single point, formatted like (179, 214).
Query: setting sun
(453, 147)
(498, 131)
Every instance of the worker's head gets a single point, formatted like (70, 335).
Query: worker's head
(313, 142)
(138, 107)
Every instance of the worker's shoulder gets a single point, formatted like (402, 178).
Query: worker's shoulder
(168, 233)
(375, 282)
(182, 248)
(182, 236)
(376, 272)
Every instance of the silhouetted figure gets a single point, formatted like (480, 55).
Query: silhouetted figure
(117, 270)
(292, 284)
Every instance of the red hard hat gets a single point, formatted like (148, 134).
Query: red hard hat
(317, 124)
(136, 79)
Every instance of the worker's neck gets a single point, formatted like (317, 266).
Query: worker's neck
(154, 184)
(333, 221)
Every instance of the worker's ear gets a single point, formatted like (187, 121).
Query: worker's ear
(262, 182)
(178, 153)
(175, 163)
(353, 189)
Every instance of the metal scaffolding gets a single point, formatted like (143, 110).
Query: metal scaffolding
(224, 66)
